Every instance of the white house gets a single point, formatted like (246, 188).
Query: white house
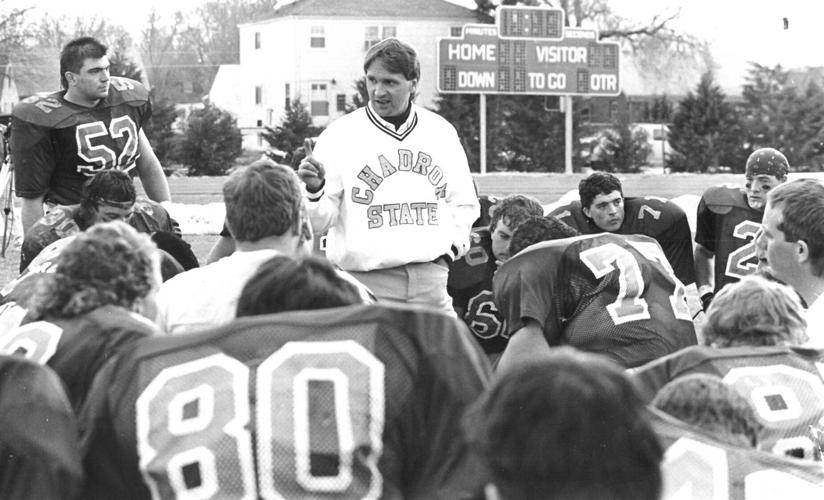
(313, 50)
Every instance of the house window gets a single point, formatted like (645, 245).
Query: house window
(287, 99)
(270, 116)
(319, 104)
(257, 39)
(374, 34)
(318, 39)
(258, 94)
(341, 102)
(260, 123)
(613, 110)
(455, 31)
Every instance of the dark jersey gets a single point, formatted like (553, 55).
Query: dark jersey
(783, 384)
(607, 293)
(356, 402)
(470, 286)
(699, 465)
(57, 145)
(39, 455)
(651, 216)
(147, 217)
(77, 348)
(727, 226)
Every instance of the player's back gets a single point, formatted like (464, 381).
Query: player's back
(784, 385)
(700, 465)
(39, 455)
(77, 348)
(356, 402)
(605, 293)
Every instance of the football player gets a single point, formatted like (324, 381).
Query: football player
(606, 293)
(567, 426)
(95, 123)
(708, 467)
(108, 195)
(39, 452)
(95, 303)
(728, 219)
(363, 401)
(470, 277)
(754, 326)
(603, 208)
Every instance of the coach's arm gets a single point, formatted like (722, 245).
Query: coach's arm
(151, 173)
(526, 344)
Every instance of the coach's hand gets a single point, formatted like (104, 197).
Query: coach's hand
(310, 170)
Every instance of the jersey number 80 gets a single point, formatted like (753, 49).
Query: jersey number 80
(317, 413)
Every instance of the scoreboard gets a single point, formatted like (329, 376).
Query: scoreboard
(528, 51)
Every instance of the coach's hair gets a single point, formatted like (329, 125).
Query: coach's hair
(755, 312)
(263, 199)
(597, 183)
(537, 229)
(109, 264)
(105, 187)
(515, 209)
(284, 283)
(76, 52)
(536, 447)
(707, 402)
(396, 56)
(802, 207)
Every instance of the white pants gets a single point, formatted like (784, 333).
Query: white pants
(419, 283)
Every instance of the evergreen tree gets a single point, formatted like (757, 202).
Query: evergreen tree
(295, 126)
(211, 142)
(705, 131)
(160, 131)
(784, 115)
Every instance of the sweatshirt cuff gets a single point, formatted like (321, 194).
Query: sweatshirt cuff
(314, 196)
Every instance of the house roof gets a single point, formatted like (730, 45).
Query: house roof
(437, 9)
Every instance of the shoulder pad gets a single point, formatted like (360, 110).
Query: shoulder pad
(721, 199)
(125, 90)
(42, 109)
(571, 215)
(468, 271)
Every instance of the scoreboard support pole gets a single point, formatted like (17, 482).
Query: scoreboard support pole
(567, 100)
(482, 112)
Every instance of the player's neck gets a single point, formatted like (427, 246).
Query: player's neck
(80, 99)
(283, 244)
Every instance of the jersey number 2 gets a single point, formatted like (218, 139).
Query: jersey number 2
(739, 262)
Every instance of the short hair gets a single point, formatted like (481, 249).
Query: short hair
(396, 56)
(537, 229)
(755, 311)
(108, 187)
(263, 199)
(514, 209)
(285, 283)
(706, 402)
(568, 426)
(802, 208)
(595, 184)
(75, 53)
(108, 264)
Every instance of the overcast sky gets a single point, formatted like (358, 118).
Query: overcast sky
(739, 30)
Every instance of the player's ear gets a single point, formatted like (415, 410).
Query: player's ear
(802, 251)
(587, 212)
